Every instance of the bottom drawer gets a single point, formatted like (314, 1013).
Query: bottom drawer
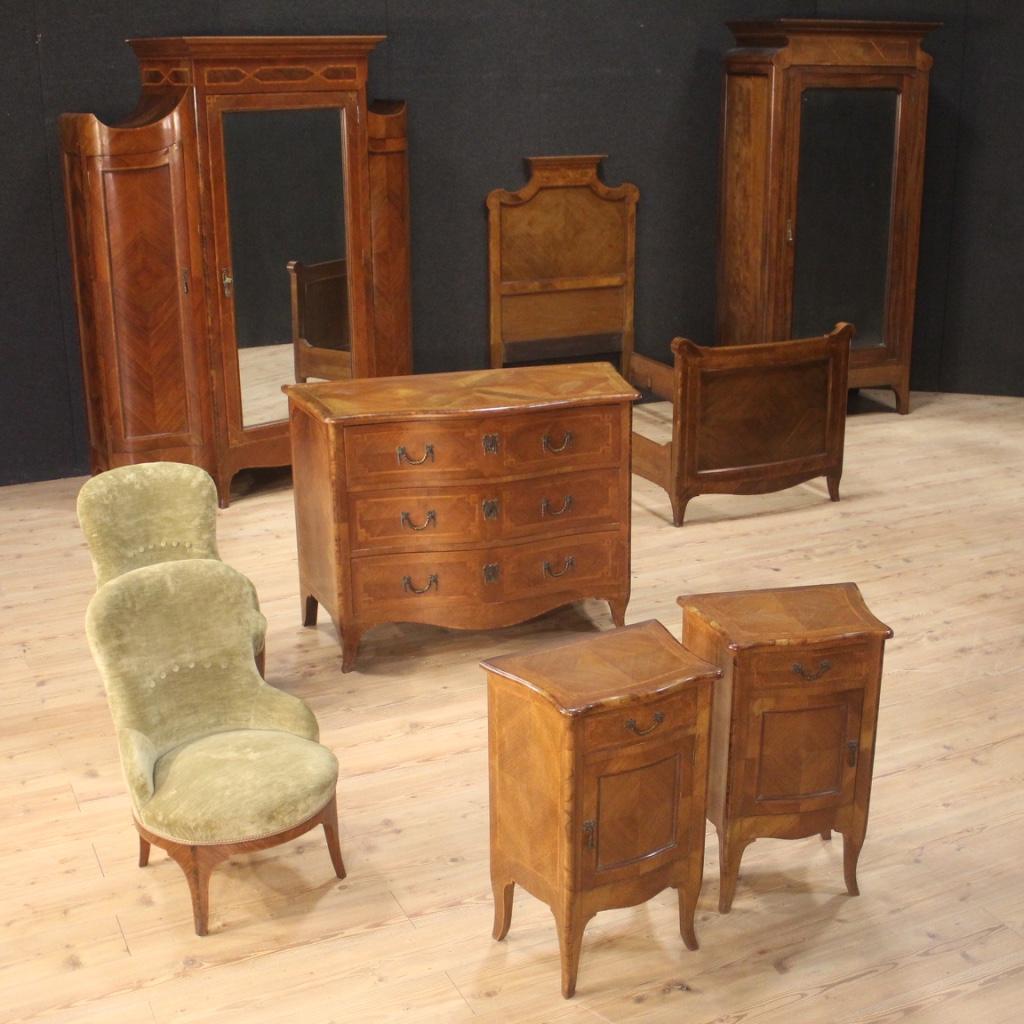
(452, 587)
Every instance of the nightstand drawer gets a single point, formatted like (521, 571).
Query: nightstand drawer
(801, 666)
(651, 720)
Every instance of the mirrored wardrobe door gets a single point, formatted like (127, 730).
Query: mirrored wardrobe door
(280, 201)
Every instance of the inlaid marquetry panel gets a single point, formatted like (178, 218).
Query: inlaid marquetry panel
(146, 274)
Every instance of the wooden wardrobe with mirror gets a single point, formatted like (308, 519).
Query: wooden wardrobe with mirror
(821, 174)
(244, 155)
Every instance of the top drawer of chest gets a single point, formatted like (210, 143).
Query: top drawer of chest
(424, 451)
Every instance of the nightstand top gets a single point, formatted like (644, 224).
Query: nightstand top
(603, 670)
(787, 615)
(464, 391)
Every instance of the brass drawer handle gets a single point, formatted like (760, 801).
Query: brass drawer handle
(492, 570)
(431, 520)
(823, 666)
(590, 834)
(546, 445)
(851, 753)
(659, 717)
(491, 442)
(403, 455)
(568, 564)
(547, 510)
(491, 507)
(432, 581)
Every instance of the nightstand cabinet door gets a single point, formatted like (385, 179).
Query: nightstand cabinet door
(800, 751)
(636, 809)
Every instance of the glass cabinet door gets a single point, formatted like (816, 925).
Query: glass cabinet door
(843, 212)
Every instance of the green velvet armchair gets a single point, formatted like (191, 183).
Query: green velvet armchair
(153, 512)
(217, 762)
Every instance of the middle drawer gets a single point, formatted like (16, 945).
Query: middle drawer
(419, 518)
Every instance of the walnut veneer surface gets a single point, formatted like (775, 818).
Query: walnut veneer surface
(793, 730)
(148, 209)
(474, 499)
(747, 419)
(562, 264)
(598, 778)
(767, 220)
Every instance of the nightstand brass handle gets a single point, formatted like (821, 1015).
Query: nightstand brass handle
(545, 443)
(492, 570)
(403, 455)
(568, 564)
(590, 834)
(491, 444)
(432, 581)
(823, 666)
(659, 717)
(547, 510)
(491, 507)
(851, 753)
(431, 520)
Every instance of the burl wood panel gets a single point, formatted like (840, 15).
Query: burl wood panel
(598, 778)
(470, 500)
(749, 419)
(147, 209)
(562, 264)
(793, 730)
(765, 78)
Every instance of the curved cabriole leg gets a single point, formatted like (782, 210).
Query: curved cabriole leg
(730, 853)
(143, 852)
(350, 637)
(309, 609)
(851, 853)
(618, 610)
(679, 503)
(330, 823)
(197, 863)
(687, 908)
(571, 925)
(833, 487)
(504, 893)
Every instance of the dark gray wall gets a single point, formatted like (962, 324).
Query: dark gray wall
(489, 82)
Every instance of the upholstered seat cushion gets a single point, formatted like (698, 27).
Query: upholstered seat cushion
(229, 787)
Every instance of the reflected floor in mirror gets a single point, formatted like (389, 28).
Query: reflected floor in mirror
(929, 527)
(263, 371)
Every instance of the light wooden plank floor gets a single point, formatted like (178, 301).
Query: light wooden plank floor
(930, 525)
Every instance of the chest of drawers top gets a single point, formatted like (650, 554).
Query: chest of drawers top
(464, 393)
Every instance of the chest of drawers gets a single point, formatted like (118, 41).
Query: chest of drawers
(472, 500)
(793, 728)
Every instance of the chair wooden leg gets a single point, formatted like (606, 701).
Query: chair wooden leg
(330, 822)
(197, 863)
(833, 487)
(143, 852)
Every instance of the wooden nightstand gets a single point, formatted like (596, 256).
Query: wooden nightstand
(793, 728)
(598, 771)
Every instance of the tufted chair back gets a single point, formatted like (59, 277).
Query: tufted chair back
(153, 512)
